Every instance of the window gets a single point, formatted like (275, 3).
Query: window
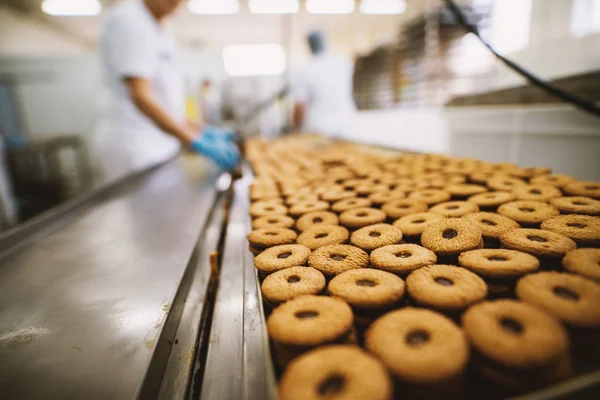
(254, 59)
(511, 25)
(585, 17)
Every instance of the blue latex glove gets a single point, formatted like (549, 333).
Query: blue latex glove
(224, 153)
(219, 133)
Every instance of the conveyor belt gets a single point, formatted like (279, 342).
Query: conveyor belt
(90, 307)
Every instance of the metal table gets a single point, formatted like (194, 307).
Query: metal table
(91, 303)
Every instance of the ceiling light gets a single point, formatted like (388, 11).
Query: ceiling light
(71, 7)
(382, 6)
(254, 59)
(214, 7)
(274, 6)
(330, 6)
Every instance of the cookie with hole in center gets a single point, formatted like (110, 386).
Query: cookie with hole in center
(316, 218)
(557, 180)
(310, 321)
(452, 236)
(336, 195)
(537, 242)
(401, 259)
(273, 221)
(336, 371)
(268, 237)
(367, 288)
(413, 225)
(454, 209)
(401, 207)
(362, 216)
(499, 263)
(262, 208)
(349, 204)
(491, 200)
(323, 235)
(528, 213)
(379, 198)
(464, 190)
(430, 196)
(335, 259)
(587, 189)
(280, 257)
(583, 229)
(290, 283)
(445, 287)
(572, 298)
(577, 205)
(537, 192)
(301, 197)
(518, 345)
(372, 237)
(505, 183)
(303, 207)
(492, 225)
(584, 262)
(419, 346)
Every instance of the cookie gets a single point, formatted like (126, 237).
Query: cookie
(413, 225)
(280, 257)
(571, 298)
(323, 235)
(419, 346)
(301, 197)
(492, 225)
(530, 172)
(451, 236)
(372, 237)
(491, 200)
(498, 263)
(430, 196)
(260, 209)
(454, 208)
(583, 229)
(528, 213)
(362, 216)
(269, 237)
(401, 259)
(401, 207)
(349, 204)
(577, 205)
(290, 283)
(309, 320)
(518, 345)
(464, 190)
(335, 259)
(557, 180)
(537, 192)
(368, 189)
(445, 287)
(537, 242)
(587, 189)
(367, 288)
(505, 183)
(379, 198)
(482, 177)
(273, 221)
(304, 207)
(335, 372)
(336, 195)
(316, 218)
(584, 262)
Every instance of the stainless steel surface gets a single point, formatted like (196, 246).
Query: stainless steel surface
(178, 372)
(238, 363)
(87, 310)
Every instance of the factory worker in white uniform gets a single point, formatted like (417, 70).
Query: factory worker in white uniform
(323, 92)
(142, 113)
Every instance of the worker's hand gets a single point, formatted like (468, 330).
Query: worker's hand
(223, 152)
(219, 133)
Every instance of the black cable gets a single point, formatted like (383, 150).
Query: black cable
(550, 88)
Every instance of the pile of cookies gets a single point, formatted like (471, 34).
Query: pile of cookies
(422, 275)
